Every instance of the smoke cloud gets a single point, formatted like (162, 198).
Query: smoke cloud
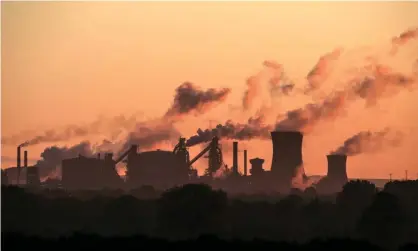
(303, 119)
(149, 134)
(236, 131)
(371, 83)
(102, 125)
(273, 73)
(383, 82)
(322, 69)
(191, 99)
(403, 38)
(369, 142)
(300, 180)
(252, 91)
(52, 157)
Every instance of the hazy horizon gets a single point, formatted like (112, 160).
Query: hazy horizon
(74, 63)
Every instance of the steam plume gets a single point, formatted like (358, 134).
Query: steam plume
(368, 142)
(383, 82)
(403, 38)
(149, 134)
(52, 157)
(303, 119)
(376, 82)
(322, 69)
(230, 130)
(190, 99)
(252, 91)
(101, 125)
(279, 83)
(273, 73)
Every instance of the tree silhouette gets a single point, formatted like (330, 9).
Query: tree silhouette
(192, 210)
(384, 222)
(355, 197)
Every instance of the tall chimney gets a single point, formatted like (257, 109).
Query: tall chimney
(245, 162)
(18, 157)
(287, 155)
(235, 158)
(18, 164)
(25, 159)
(337, 169)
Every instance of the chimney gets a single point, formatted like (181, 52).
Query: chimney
(109, 157)
(134, 148)
(256, 166)
(235, 158)
(25, 159)
(245, 162)
(18, 165)
(287, 155)
(337, 169)
(18, 157)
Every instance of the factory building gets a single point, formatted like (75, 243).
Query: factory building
(90, 173)
(22, 175)
(160, 169)
(4, 179)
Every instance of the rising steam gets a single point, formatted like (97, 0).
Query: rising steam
(322, 69)
(230, 130)
(403, 38)
(191, 99)
(149, 134)
(303, 119)
(100, 126)
(369, 142)
(51, 157)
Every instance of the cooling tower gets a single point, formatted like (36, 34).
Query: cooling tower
(337, 169)
(287, 156)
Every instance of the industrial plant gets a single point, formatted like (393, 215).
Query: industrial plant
(165, 169)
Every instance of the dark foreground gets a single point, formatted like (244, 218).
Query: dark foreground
(90, 242)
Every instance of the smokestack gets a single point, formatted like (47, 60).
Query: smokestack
(235, 158)
(245, 162)
(287, 155)
(25, 159)
(337, 169)
(18, 157)
(18, 164)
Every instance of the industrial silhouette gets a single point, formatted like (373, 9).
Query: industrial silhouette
(166, 169)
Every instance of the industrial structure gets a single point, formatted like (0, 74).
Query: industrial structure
(4, 178)
(336, 175)
(287, 157)
(165, 169)
(26, 175)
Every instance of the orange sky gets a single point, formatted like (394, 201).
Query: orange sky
(65, 63)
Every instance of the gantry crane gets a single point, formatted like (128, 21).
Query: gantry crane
(215, 157)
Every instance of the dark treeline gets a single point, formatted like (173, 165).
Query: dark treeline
(83, 241)
(386, 218)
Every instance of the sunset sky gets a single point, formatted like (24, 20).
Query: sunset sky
(69, 63)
